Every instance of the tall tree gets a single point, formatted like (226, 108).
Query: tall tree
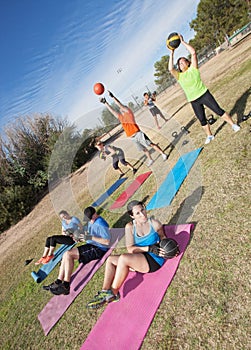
(215, 19)
(164, 78)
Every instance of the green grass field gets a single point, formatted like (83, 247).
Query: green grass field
(207, 305)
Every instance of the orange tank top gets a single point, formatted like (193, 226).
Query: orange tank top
(128, 123)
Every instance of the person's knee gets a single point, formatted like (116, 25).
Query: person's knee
(69, 255)
(203, 122)
(124, 162)
(115, 166)
(124, 259)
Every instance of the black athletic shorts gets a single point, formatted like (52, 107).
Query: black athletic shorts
(89, 252)
(153, 265)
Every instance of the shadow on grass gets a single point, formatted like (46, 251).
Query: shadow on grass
(240, 105)
(187, 207)
(177, 135)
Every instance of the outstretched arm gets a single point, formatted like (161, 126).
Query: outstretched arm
(109, 107)
(171, 66)
(191, 50)
(118, 103)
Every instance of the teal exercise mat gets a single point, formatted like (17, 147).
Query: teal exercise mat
(44, 271)
(170, 186)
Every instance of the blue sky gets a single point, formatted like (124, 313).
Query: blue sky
(54, 51)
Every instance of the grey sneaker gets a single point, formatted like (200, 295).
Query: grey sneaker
(150, 162)
(209, 139)
(235, 127)
(103, 297)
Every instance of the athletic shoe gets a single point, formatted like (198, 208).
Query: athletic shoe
(134, 171)
(150, 162)
(235, 127)
(53, 285)
(60, 289)
(47, 259)
(209, 139)
(164, 156)
(40, 261)
(103, 297)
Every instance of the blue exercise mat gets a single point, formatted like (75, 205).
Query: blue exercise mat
(173, 181)
(44, 271)
(105, 195)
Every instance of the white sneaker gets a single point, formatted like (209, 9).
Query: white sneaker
(164, 156)
(235, 127)
(209, 139)
(150, 162)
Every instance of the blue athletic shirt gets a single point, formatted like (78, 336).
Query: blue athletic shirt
(151, 238)
(73, 224)
(100, 229)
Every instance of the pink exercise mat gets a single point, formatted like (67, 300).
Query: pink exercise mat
(123, 325)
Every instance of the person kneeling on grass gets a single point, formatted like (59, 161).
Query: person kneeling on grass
(144, 254)
(97, 244)
(117, 155)
(68, 223)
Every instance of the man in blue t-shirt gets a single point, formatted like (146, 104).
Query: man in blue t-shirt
(97, 244)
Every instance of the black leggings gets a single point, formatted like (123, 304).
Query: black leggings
(208, 100)
(61, 239)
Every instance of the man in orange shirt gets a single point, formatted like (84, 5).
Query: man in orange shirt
(131, 128)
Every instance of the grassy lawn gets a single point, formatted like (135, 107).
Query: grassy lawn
(207, 306)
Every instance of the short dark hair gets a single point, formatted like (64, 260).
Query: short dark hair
(88, 213)
(132, 204)
(64, 212)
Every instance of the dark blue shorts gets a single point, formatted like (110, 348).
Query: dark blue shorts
(89, 252)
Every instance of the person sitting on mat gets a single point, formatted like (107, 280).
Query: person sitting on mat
(68, 222)
(97, 244)
(144, 255)
(117, 155)
(188, 76)
(149, 101)
(131, 128)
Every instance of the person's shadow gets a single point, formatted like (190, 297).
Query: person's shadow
(187, 207)
(240, 105)
(238, 108)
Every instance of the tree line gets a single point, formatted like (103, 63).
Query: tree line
(27, 165)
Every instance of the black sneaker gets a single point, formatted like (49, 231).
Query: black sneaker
(61, 289)
(134, 171)
(53, 285)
